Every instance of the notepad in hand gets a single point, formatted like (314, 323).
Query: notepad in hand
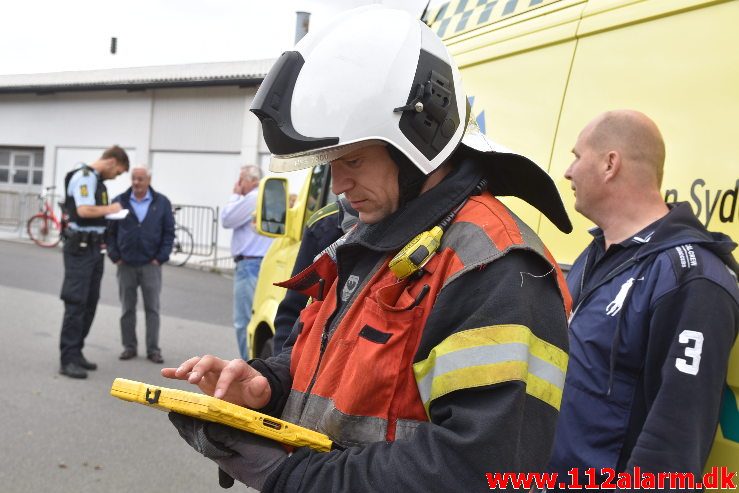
(117, 216)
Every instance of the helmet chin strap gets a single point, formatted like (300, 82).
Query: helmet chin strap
(410, 178)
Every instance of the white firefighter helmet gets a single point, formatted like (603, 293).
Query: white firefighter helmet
(373, 75)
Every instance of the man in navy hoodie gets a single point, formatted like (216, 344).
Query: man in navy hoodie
(655, 314)
(139, 244)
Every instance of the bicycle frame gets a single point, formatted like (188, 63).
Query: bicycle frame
(48, 210)
(46, 221)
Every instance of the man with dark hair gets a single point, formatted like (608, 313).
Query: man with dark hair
(118, 154)
(656, 313)
(87, 205)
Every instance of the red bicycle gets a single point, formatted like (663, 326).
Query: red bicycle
(45, 228)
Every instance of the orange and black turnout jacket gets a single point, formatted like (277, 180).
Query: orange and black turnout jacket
(428, 383)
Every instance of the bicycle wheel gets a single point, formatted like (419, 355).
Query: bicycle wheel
(182, 247)
(44, 231)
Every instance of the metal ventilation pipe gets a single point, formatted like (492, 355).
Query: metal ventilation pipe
(302, 22)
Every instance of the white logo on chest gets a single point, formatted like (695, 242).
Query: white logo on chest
(618, 302)
(349, 287)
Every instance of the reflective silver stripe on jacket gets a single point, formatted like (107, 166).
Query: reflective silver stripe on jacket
(474, 247)
(320, 414)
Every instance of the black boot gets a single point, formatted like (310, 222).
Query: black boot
(73, 370)
(87, 365)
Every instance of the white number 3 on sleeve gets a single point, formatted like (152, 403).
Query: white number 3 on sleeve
(691, 351)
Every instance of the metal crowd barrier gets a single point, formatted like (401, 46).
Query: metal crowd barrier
(17, 207)
(202, 222)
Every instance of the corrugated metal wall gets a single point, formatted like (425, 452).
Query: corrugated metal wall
(198, 120)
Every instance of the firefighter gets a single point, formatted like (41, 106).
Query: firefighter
(435, 346)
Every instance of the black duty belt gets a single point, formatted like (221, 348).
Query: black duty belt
(239, 258)
(91, 237)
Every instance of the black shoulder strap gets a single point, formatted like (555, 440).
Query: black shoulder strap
(70, 174)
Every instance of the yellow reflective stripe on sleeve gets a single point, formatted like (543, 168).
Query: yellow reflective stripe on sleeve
(325, 211)
(491, 355)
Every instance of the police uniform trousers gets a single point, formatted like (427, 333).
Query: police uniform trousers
(83, 271)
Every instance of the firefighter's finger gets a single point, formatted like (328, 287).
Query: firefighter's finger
(236, 371)
(182, 371)
(242, 384)
(206, 365)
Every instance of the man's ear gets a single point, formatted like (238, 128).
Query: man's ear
(612, 165)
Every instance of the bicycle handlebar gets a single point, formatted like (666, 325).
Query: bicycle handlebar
(45, 192)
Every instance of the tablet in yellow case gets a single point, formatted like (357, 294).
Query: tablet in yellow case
(209, 408)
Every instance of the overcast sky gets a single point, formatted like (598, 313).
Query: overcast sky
(58, 35)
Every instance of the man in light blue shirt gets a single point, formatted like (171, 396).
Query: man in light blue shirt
(139, 244)
(247, 247)
(141, 206)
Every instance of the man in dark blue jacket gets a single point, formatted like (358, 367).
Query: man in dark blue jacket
(139, 244)
(655, 314)
(324, 227)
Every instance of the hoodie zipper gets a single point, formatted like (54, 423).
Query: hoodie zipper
(616, 271)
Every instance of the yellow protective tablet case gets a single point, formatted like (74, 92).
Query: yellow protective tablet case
(209, 408)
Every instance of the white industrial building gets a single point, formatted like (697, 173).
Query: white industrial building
(190, 123)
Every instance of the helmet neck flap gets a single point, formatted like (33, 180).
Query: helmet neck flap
(410, 178)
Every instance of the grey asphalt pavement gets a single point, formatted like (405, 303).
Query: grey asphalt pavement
(64, 435)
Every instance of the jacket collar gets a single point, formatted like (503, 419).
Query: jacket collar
(125, 197)
(147, 196)
(679, 227)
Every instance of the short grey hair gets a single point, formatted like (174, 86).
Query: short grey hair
(143, 166)
(252, 171)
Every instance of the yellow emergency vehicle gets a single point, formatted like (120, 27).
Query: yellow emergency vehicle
(277, 264)
(537, 71)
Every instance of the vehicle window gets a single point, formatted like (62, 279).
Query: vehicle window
(319, 193)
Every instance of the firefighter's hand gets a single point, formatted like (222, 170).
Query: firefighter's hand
(233, 381)
(242, 456)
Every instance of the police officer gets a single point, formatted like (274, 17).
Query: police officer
(86, 203)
